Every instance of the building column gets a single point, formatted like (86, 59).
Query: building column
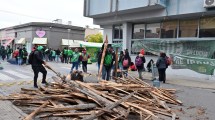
(127, 36)
(108, 30)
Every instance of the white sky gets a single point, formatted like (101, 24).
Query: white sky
(15, 12)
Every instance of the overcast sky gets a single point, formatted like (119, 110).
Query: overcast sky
(14, 12)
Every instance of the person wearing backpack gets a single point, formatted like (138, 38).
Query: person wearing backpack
(139, 62)
(9, 52)
(121, 55)
(85, 58)
(75, 59)
(25, 55)
(162, 65)
(126, 61)
(36, 61)
(108, 63)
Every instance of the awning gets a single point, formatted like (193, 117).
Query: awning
(8, 42)
(71, 43)
(21, 41)
(41, 41)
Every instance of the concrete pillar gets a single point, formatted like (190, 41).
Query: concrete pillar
(127, 35)
(108, 30)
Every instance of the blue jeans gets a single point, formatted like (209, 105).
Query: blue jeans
(74, 65)
(19, 61)
(106, 73)
(57, 58)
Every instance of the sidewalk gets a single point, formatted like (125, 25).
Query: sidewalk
(9, 111)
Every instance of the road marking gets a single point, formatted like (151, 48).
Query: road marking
(17, 74)
(5, 77)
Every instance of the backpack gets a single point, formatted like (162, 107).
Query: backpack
(138, 61)
(168, 61)
(30, 58)
(108, 60)
(16, 53)
(85, 57)
(25, 53)
(125, 63)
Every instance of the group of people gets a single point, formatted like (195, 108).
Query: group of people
(5, 52)
(21, 55)
(125, 63)
(37, 61)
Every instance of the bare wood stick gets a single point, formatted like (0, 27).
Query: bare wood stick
(30, 117)
(91, 117)
(103, 56)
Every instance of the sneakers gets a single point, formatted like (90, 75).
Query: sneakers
(45, 83)
(35, 86)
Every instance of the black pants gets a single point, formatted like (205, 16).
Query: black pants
(84, 66)
(36, 70)
(64, 58)
(24, 60)
(162, 74)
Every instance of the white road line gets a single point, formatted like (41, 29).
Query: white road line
(66, 68)
(5, 77)
(17, 74)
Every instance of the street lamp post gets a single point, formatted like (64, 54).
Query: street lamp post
(68, 36)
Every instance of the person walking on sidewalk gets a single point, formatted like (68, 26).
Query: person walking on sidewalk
(120, 60)
(139, 62)
(57, 55)
(126, 61)
(162, 65)
(85, 58)
(69, 55)
(65, 55)
(25, 55)
(3, 53)
(108, 64)
(9, 52)
(37, 65)
(75, 59)
(53, 52)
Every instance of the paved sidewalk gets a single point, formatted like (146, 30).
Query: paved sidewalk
(9, 111)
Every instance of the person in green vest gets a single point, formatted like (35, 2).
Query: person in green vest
(75, 59)
(53, 52)
(25, 55)
(69, 55)
(9, 52)
(65, 55)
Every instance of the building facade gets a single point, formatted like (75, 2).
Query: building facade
(38, 33)
(184, 29)
(132, 21)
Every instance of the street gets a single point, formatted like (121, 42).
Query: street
(198, 103)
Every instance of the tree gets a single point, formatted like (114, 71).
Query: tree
(97, 38)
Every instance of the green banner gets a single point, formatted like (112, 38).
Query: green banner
(196, 50)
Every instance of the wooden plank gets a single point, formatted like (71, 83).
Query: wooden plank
(30, 116)
(103, 56)
(107, 108)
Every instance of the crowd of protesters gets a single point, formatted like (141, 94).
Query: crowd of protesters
(76, 57)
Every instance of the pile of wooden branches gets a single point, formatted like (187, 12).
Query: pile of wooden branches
(105, 100)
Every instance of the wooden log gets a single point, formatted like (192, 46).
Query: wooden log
(103, 56)
(30, 116)
(108, 108)
(74, 107)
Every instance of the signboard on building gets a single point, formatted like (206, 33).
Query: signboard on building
(40, 33)
(197, 55)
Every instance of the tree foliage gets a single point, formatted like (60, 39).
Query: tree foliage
(97, 38)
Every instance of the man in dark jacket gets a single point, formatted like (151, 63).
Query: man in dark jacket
(37, 66)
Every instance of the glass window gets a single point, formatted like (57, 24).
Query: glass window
(153, 30)
(207, 27)
(169, 29)
(188, 28)
(138, 31)
(118, 33)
